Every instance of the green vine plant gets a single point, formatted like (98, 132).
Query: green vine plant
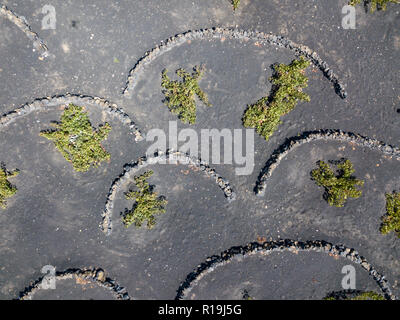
(235, 4)
(77, 141)
(180, 95)
(375, 4)
(147, 203)
(391, 221)
(369, 295)
(340, 185)
(288, 83)
(7, 190)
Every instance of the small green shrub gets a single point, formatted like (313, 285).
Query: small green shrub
(7, 190)
(339, 186)
(235, 4)
(375, 4)
(391, 221)
(370, 295)
(288, 80)
(75, 138)
(147, 203)
(180, 95)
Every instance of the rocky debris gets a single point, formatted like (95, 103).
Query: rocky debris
(170, 156)
(81, 100)
(228, 33)
(227, 256)
(323, 134)
(38, 44)
(94, 275)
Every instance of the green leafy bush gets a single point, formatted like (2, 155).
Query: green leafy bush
(288, 80)
(370, 295)
(75, 138)
(375, 4)
(338, 186)
(235, 4)
(180, 95)
(147, 203)
(391, 221)
(7, 190)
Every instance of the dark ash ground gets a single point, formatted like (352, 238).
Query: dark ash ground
(54, 218)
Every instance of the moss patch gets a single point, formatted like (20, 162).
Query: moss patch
(288, 83)
(374, 4)
(75, 138)
(391, 221)
(338, 186)
(180, 95)
(235, 4)
(147, 203)
(7, 190)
